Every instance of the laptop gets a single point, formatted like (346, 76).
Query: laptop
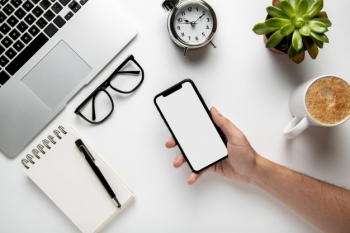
(50, 49)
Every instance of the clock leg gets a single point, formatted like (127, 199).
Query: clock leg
(185, 51)
(212, 44)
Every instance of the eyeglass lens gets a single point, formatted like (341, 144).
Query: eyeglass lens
(128, 78)
(98, 108)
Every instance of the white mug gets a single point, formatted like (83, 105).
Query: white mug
(302, 119)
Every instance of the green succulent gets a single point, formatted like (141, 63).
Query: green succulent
(300, 22)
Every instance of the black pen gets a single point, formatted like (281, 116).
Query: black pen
(90, 159)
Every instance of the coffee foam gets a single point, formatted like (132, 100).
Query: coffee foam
(328, 100)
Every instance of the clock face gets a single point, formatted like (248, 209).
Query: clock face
(193, 23)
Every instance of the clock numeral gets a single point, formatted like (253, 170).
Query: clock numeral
(182, 34)
(189, 38)
(197, 38)
(208, 19)
(189, 9)
(203, 33)
(178, 27)
(208, 27)
(183, 13)
(180, 20)
(197, 8)
(203, 12)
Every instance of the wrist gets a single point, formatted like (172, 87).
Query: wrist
(261, 167)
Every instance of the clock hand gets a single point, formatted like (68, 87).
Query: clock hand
(186, 20)
(199, 17)
(193, 23)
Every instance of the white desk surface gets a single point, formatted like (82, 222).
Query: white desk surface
(246, 82)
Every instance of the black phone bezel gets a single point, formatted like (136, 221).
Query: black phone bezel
(173, 89)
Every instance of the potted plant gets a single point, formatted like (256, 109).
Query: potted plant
(294, 26)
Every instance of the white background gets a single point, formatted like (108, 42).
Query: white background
(246, 82)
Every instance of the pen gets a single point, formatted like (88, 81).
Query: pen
(90, 159)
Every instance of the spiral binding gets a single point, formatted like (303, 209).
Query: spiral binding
(45, 145)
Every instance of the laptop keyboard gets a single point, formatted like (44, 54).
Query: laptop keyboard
(26, 25)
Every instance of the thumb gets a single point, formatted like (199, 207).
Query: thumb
(229, 129)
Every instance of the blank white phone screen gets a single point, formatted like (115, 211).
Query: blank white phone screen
(192, 127)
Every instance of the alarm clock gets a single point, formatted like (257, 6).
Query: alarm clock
(191, 23)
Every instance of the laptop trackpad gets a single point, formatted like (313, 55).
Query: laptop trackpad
(56, 75)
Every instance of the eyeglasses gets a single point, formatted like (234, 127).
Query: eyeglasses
(98, 106)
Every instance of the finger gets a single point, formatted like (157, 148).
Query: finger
(179, 161)
(229, 129)
(194, 177)
(170, 143)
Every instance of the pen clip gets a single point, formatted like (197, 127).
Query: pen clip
(92, 157)
(88, 152)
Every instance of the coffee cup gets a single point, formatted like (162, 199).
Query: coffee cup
(323, 101)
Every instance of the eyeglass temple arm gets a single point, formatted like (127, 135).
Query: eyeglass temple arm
(128, 72)
(105, 84)
(93, 108)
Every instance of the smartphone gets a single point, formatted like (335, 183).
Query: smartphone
(188, 118)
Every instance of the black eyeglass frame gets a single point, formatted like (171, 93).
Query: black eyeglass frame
(105, 85)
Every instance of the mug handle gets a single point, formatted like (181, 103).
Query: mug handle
(295, 127)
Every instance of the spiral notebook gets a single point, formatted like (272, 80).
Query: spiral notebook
(63, 174)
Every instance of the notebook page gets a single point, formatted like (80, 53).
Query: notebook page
(66, 177)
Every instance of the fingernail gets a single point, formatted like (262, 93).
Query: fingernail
(216, 111)
(189, 181)
(175, 163)
(192, 179)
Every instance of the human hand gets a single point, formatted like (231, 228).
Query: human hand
(241, 160)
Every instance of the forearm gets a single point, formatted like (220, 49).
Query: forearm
(324, 205)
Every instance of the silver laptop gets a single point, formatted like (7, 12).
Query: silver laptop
(49, 50)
